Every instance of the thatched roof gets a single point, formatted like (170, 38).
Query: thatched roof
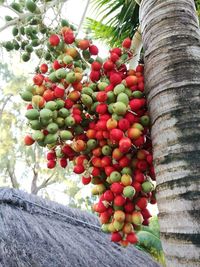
(39, 233)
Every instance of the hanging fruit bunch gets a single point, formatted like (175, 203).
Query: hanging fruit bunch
(99, 120)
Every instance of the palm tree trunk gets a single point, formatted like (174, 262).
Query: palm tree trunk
(171, 41)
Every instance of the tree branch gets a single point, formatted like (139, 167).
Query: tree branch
(136, 46)
(13, 178)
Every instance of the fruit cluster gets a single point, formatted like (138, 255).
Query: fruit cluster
(99, 120)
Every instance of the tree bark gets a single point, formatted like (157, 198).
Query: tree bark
(171, 40)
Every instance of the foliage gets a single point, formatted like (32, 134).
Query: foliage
(117, 20)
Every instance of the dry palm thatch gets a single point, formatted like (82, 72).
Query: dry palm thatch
(39, 233)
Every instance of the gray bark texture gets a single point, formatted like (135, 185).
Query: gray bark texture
(171, 39)
(39, 233)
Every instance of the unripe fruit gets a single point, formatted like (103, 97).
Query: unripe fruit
(126, 179)
(147, 187)
(129, 191)
(119, 216)
(115, 177)
(137, 218)
(119, 108)
(118, 225)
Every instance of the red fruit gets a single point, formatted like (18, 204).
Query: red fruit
(48, 95)
(81, 160)
(44, 68)
(145, 222)
(51, 164)
(93, 50)
(115, 79)
(77, 118)
(104, 217)
(124, 162)
(101, 96)
(119, 200)
(99, 135)
(108, 65)
(97, 151)
(142, 165)
(124, 124)
(59, 92)
(69, 38)
(63, 162)
(78, 169)
(132, 238)
(108, 195)
(116, 237)
(56, 65)
(136, 104)
(95, 76)
(96, 66)
(116, 188)
(105, 117)
(131, 118)
(131, 80)
(139, 141)
(137, 186)
(101, 108)
(105, 161)
(29, 106)
(54, 40)
(114, 57)
(108, 170)
(95, 171)
(86, 180)
(83, 44)
(110, 87)
(125, 144)
(129, 207)
(153, 200)
(28, 140)
(51, 155)
(116, 134)
(116, 50)
(140, 68)
(126, 43)
(101, 207)
(96, 162)
(68, 103)
(146, 214)
(142, 203)
(139, 177)
(141, 86)
(38, 79)
(149, 159)
(67, 150)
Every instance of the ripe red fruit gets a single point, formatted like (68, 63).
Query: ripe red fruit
(116, 134)
(108, 65)
(78, 169)
(129, 207)
(139, 177)
(125, 144)
(67, 150)
(68, 103)
(140, 68)
(29, 106)
(141, 203)
(83, 44)
(95, 171)
(131, 117)
(101, 96)
(101, 108)
(44, 68)
(56, 65)
(141, 86)
(106, 161)
(93, 50)
(132, 238)
(99, 135)
(142, 165)
(126, 43)
(54, 40)
(95, 76)
(96, 66)
(139, 141)
(108, 195)
(110, 87)
(136, 104)
(116, 50)
(51, 164)
(114, 57)
(59, 92)
(116, 188)
(116, 237)
(109, 170)
(119, 200)
(38, 79)
(96, 162)
(115, 79)
(63, 162)
(51, 155)
(28, 140)
(137, 186)
(69, 38)
(124, 162)
(146, 214)
(149, 159)
(104, 217)
(124, 124)
(48, 95)
(86, 180)
(101, 207)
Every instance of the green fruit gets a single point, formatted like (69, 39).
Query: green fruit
(86, 99)
(52, 128)
(32, 114)
(102, 86)
(22, 30)
(117, 208)
(8, 46)
(104, 228)
(78, 129)
(59, 153)
(106, 150)
(126, 170)
(66, 135)
(120, 88)
(93, 86)
(47, 56)
(99, 59)
(29, 48)
(15, 31)
(45, 122)
(137, 94)
(53, 77)
(60, 73)
(86, 54)
(128, 92)
(51, 105)
(35, 42)
(64, 22)
(60, 103)
(122, 97)
(111, 97)
(119, 108)
(129, 191)
(110, 108)
(55, 115)
(31, 6)
(116, 117)
(46, 114)
(145, 120)
(115, 177)
(26, 57)
(50, 138)
(93, 107)
(70, 121)
(26, 96)
(35, 125)
(16, 7)
(16, 45)
(71, 77)
(68, 59)
(63, 112)
(147, 187)
(60, 121)
(118, 225)
(8, 18)
(38, 136)
(87, 91)
(91, 144)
